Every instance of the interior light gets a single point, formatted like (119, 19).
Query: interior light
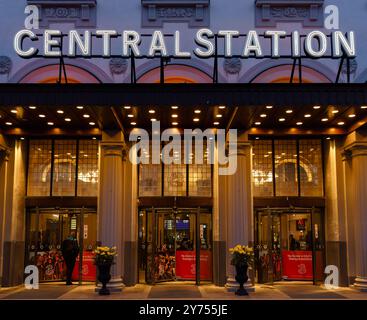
(133, 123)
(151, 111)
(86, 116)
(92, 123)
(316, 107)
(50, 123)
(281, 119)
(127, 107)
(341, 123)
(324, 119)
(269, 107)
(219, 116)
(32, 107)
(8, 123)
(174, 116)
(14, 111)
(130, 115)
(196, 119)
(351, 115)
(335, 111)
(216, 123)
(174, 123)
(67, 119)
(263, 115)
(60, 111)
(222, 107)
(257, 123)
(299, 123)
(289, 111)
(197, 111)
(80, 107)
(42, 116)
(174, 107)
(307, 115)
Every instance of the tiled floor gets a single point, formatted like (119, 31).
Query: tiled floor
(279, 291)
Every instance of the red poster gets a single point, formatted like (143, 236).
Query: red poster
(88, 269)
(186, 267)
(297, 265)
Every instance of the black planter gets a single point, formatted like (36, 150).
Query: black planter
(241, 278)
(104, 276)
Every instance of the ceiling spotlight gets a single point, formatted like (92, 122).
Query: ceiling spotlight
(351, 115)
(67, 119)
(282, 119)
(94, 138)
(257, 138)
(174, 116)
(263, 115)
(80, 107)
(341, 123)
(127, 107)
(174, 123)
(42, 116)
(257, 123)
(92, 123)
(219, 116)
(32, 107)
(50, 123)
(60, 111)
(151, 111)
(86, 116)
(8, 123)
(196, 119)
(307, 115)
(324, 119)
(174, 107)
(299, 123)
(363, 107)
(133, 123)
(21, 138)
(153, 119)
(222, 107)
(216, 123)
(335, 111)
(289, 111)
(130, 115)
(197, 111)
(269, 107)
(328, 138)
(316, 107)
(14, 111)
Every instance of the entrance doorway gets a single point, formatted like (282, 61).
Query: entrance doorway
(289, 245)
(46, 230)
(175, 245)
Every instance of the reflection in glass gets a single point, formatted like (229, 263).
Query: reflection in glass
(262, 172)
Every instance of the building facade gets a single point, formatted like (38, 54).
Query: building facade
(297, 195)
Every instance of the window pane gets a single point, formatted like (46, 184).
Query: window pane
(286, 168)
(175, 180)
(64, 168)
(311, 175)
(262, 172)
(39, 168)
(150, 180)
(88, 168)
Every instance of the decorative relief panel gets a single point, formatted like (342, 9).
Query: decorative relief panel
(80, 12)
(157, 12)
(269, 12)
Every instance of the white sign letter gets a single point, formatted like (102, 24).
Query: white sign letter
(130, 39)
(31, 281)
(49, 43)
(201, 41)
(322, 41)
(18, 40)
(76, 40)
(332, 280)
(332, 20)
(252, 44)
(32, 21)
(228, 35)
(341, 45)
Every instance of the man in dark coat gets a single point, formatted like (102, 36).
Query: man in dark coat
(70, 250)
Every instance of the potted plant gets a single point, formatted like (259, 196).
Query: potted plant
(103, 259)
(242, 256)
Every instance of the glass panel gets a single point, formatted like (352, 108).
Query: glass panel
(88, 173)
(286, 168)
(200, 180)
(150, 180)
(262, 172)
(64, 168)
(175, 180)
(318, 245)
(39, 168)
(142, 241)
(206, 247)
(311, 174)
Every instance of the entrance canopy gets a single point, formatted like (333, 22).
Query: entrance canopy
(261, 109)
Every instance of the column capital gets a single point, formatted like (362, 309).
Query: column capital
(354, 149)
(114, 148)
(243, 147)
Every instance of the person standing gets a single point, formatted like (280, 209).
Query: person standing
(70, 251)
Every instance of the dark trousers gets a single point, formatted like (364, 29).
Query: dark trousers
(70, 263)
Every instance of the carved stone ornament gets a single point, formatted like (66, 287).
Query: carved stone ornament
(5, 65)
(80, 12)
(270, 12)
(156, 12)
(232, 65)
(118, 65)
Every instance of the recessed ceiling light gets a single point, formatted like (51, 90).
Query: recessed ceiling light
(219, 116)
(269, 107)
(351, 115)
(42, 116)
(8, 123)
(257, 123)
(32, 107)
(289, 111)
(196, 119)
(130, 115)
(67, 119)
(257, 138)
(94, 138)
(307, 115)
(263, 115)
(335, 111)
(174, 123)
(50, 123)
(174, 116)
(92, 123)
(21, 138)
(341, 123)
(197, 111)
(60, 111)
(324, 119)
(133, 123)
(174, 107)
(153, 119)
(299, 123)
(222, 107)
(316, 107)
(86, 116)
(127, 107)
(14, 111)
(281, 119)
(216, 123)
(151, 111)
(328, 138)
(80, 107)
(363, 107)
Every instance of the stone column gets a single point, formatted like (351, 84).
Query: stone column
(110, 206)
(4, 159)
(239, 210)
(355, 158)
